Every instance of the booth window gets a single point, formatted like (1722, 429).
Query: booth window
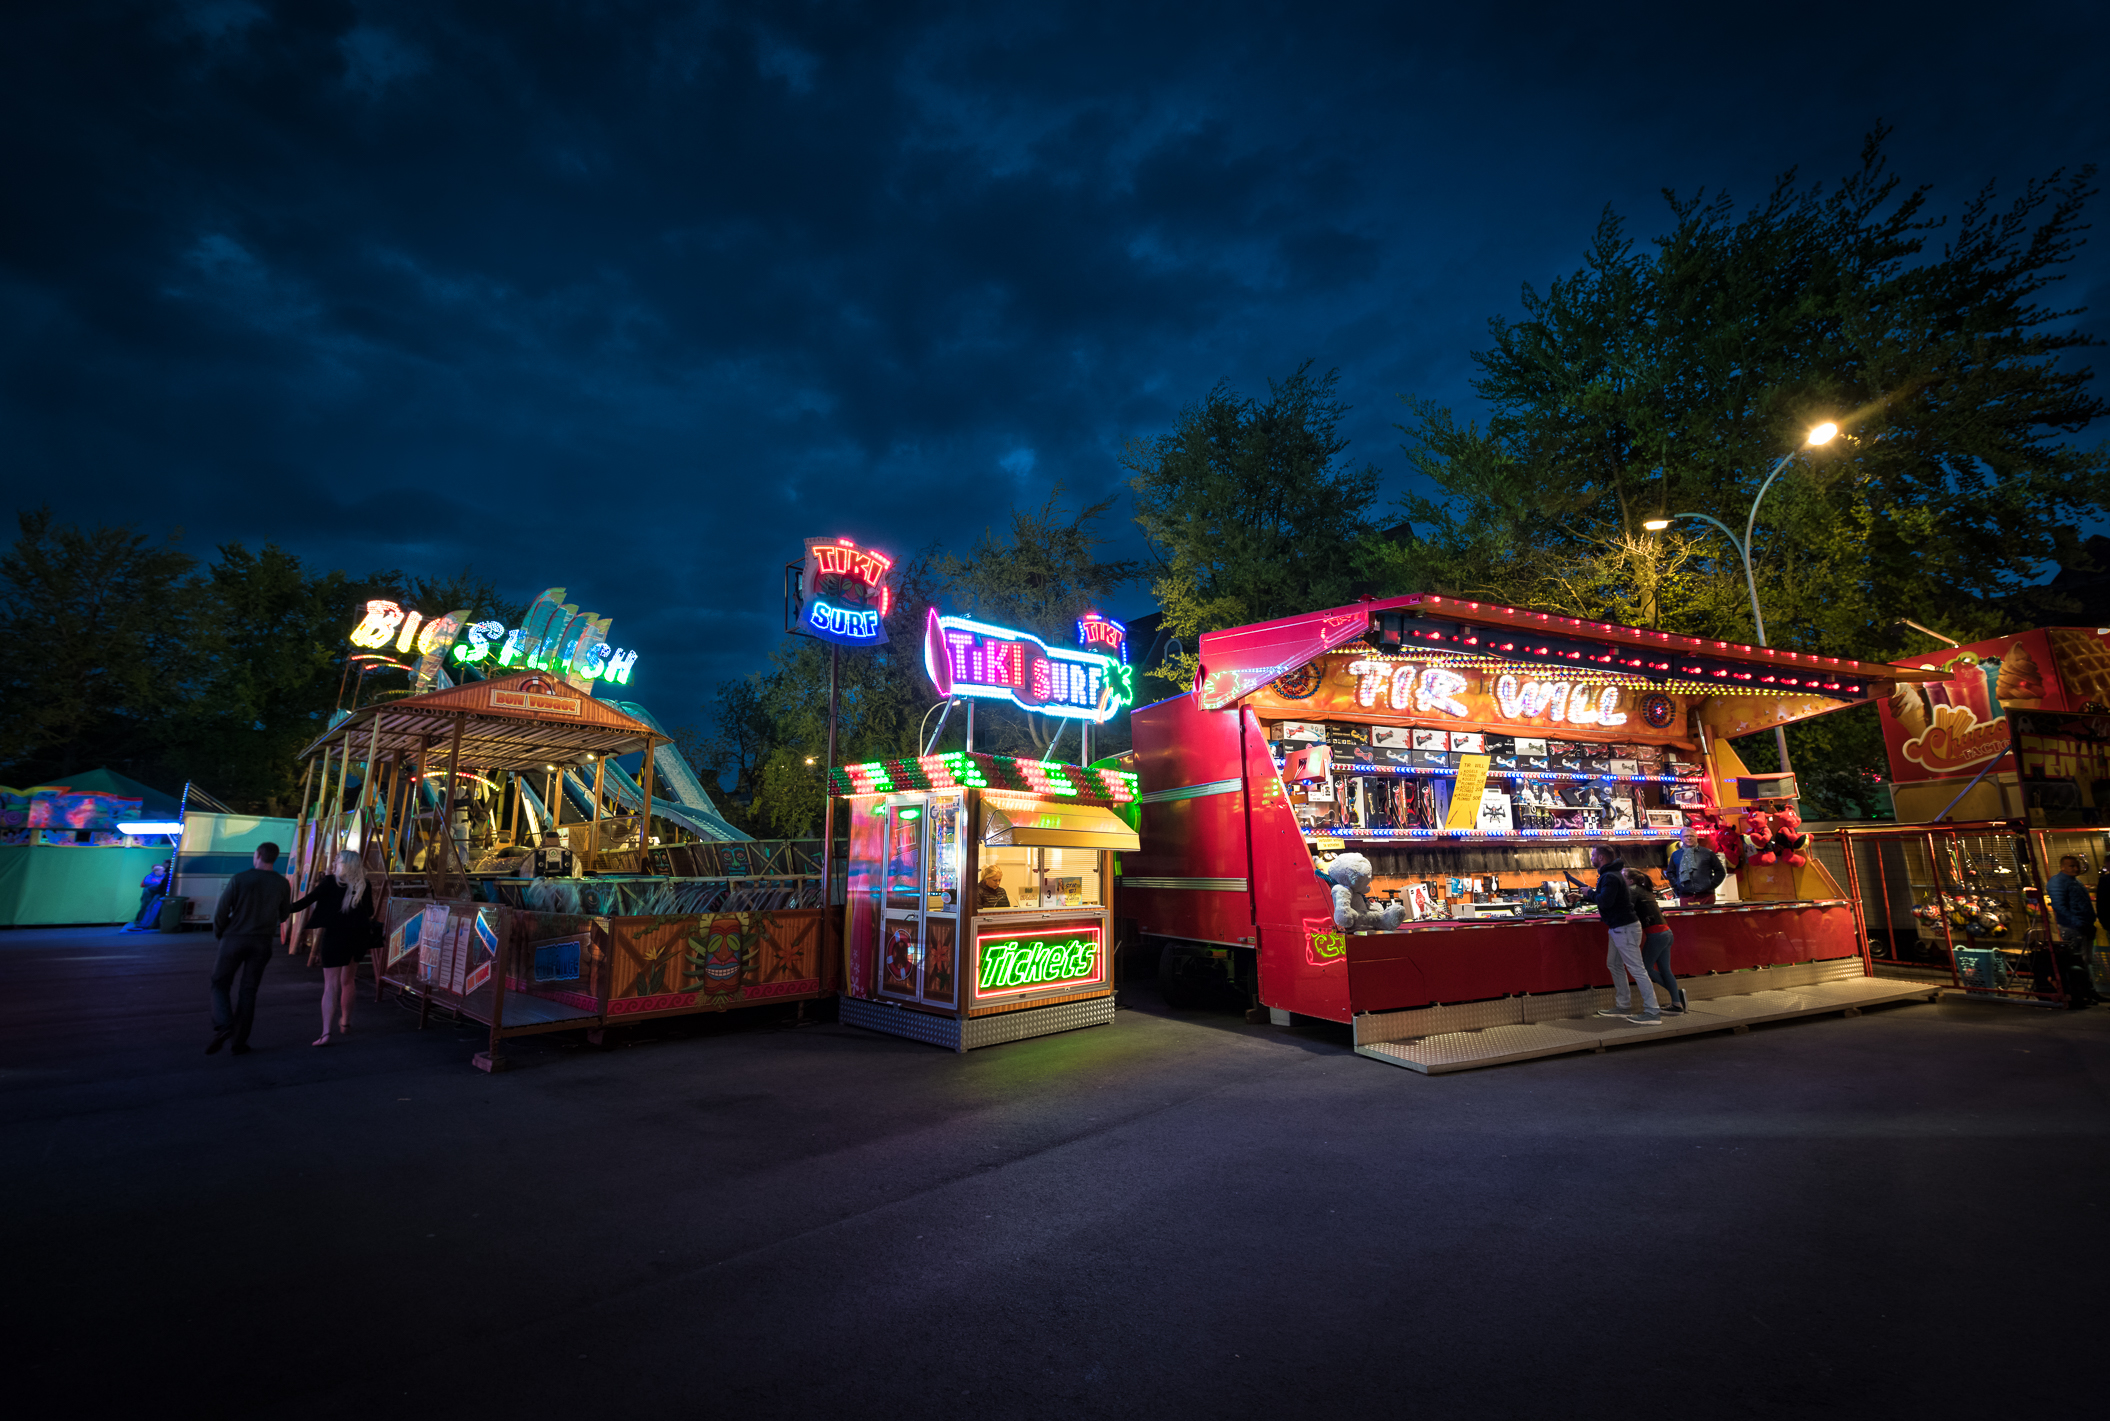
(1045, 878)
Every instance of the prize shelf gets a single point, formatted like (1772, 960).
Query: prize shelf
(1352, 768)
(1474, 836)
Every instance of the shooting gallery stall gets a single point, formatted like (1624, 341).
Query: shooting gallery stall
(1473, 755)
(979, 889)
(516, 954)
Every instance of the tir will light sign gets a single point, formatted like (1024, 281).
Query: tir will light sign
(969, 658)
(844, 593)
(1007, 964)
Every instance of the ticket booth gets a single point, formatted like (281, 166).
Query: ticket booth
(979, 896)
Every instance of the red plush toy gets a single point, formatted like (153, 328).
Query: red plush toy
(1723, 838)
(1787, 844)
(1758, 837)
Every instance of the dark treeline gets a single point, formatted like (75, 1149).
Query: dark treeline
(131, 654)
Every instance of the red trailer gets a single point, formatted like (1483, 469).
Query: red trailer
(1474, 753)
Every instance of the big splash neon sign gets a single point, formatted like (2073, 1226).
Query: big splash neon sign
(970, 658)
(844, 592)
(554, 636)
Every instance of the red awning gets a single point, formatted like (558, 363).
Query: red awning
(1243, 659)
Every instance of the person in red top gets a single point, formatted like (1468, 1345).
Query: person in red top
(1655, 939)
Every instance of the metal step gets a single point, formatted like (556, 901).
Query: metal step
(1499, 1045)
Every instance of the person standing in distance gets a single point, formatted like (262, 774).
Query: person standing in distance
(2076, 919)
(1615, 908)
(252, 905)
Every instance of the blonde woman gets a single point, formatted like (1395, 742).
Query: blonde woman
(345, 911)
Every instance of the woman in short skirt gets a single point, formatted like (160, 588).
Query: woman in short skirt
(345, 911)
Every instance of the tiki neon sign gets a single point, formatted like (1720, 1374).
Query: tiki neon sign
(1100, 633)
(554, 636)
(1009, 963)
(969, 658)
(844, 592)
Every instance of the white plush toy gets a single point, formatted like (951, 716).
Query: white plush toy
(1350, 876)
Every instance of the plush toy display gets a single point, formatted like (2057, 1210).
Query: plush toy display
(1349, 875)
(1714, 833)
(1788, 844)
(1758, 837)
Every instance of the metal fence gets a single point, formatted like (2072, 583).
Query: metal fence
(1961, 902)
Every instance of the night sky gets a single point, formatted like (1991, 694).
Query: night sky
(630, 297)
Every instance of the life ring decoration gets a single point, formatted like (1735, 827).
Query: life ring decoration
(1658, 710)
(1299, 684)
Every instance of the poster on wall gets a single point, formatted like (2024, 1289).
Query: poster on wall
(1958, 726)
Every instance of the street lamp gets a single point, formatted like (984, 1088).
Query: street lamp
(1820, 435)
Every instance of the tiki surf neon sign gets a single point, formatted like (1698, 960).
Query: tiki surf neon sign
(969, 658)
(1026, 962)
(844, 592)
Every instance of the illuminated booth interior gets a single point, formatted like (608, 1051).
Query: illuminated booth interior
(1475, 755)
(978, 907)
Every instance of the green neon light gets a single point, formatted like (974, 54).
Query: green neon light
(1012, 964)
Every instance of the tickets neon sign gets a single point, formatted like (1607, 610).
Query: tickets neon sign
(969, 658)
(1008, 963)
(844, 592)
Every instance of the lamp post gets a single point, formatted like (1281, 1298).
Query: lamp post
(1822, 434)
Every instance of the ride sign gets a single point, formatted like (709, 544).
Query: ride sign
(970, 658)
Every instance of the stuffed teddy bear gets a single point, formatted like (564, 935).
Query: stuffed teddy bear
(1349, 876)
(1710, 832)
(1789, 845)
(1758, 837)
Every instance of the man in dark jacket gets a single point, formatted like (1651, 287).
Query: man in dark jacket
(252, 905)
(1615, 907)
(2075, 916)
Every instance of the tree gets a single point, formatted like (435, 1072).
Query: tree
(1250, 516)
(98, 653)
(1654, 383)
(1040, 579)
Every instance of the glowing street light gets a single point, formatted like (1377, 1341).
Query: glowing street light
(1819, 435)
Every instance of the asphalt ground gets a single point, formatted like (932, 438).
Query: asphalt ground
(1176, 1215)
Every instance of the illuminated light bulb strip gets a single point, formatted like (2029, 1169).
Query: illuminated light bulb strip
(957, 769)
(1362, 767)
(1475, 836)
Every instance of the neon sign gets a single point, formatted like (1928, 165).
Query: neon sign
(1410, 688)
(1009, 963)
(969, 658)
(844, 592)
(554, 636)
(1559, 700)
(1100, 633)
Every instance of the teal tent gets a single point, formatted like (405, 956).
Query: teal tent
(153, 803)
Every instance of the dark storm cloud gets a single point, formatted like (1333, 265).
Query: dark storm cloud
(630, 297)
